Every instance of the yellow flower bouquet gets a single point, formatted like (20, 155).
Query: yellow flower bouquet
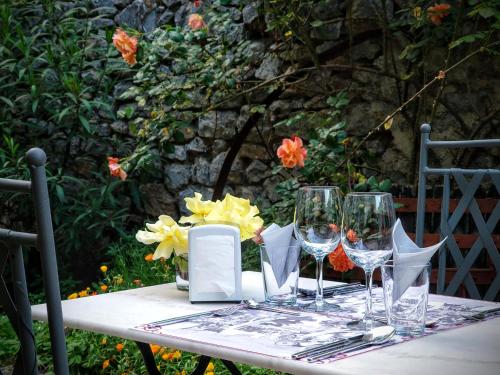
(172, 238)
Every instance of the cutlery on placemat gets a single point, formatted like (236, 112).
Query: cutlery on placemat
(336, 289)
(480, 315)
(377, 336)
(429, 323)
(334, 292)
(221, 312)
(251, 304)
(327, 346)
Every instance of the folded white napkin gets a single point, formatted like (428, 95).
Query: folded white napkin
(406, 254)
(214, 265)
(282, 250)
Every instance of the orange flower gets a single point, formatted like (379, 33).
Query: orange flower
(105, 364)
(291, 152)
(167, 356)
(334, 227)
(155, 348)
(104, 287)
(119, 347)
(93, 293)
(351, 236)
(103, 269)
(196, 22)
(115, 168)
(438, 12)
(126, 45)
(83, 293)
(176, 355)
(339, 260)
(137, 282)
(258, 238)
(73, 296)
(149, 257)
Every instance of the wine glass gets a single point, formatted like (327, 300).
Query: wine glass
(367, 226)
(317, 222)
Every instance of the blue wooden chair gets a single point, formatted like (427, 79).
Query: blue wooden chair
(14, 300)
(468, 182)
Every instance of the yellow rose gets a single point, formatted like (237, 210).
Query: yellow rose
(171, 237)
(198, 207)
(238, 211)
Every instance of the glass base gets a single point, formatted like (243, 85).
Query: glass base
(181, 283)
(282, 300)
(409, 330)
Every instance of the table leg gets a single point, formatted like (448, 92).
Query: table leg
(202, 365)
(231, 367)
(148, 357)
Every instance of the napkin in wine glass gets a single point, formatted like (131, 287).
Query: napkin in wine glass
(282, 250)
(405, 254)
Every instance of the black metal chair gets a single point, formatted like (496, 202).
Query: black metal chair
(14, 300)
(462, 271)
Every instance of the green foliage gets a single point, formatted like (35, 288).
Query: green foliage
(56, 72)
(182, 74)
(326, 163)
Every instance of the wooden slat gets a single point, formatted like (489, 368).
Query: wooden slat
(433, 205)
(482, 276)
(464, 241)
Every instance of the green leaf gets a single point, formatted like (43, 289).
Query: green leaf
(7, 101)
(372, 182)
(467, 39)
(85, 123)
(385, 185)
(60, 193)
(317, 23)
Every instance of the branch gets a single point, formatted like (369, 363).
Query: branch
(301, 70)
(416, 95)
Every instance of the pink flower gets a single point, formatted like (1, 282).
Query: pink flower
(115, 168)
(196, 22)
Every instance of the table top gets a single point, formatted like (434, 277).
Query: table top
(473, 349)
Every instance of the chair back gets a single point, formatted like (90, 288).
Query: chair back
(468, 181)
(15, 301)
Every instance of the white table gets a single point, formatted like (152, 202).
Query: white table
(471, 350)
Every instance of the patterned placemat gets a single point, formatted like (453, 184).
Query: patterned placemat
(281, 335)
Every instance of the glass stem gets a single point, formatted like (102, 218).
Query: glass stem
(319, 281)
(368, 319)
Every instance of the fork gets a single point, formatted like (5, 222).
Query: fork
(221, 312)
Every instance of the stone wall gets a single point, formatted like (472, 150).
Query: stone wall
(471, 94)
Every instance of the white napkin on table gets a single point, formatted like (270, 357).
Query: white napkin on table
(406, 253)
(281, 250)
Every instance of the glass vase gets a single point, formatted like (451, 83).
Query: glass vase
(181, 272)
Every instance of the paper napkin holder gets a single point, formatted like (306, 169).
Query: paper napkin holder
(214, 262)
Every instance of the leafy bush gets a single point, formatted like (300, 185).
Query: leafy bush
(56, 74)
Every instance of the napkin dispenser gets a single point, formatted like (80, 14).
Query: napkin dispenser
(214, 262)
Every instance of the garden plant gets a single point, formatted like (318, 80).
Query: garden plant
(114, 105)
